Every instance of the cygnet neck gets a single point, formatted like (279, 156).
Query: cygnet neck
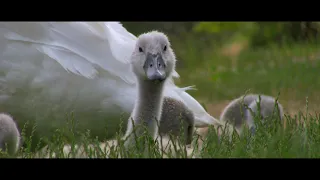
(148, 106)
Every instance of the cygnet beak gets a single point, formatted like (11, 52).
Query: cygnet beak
(154, 67)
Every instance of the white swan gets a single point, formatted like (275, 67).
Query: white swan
(152, 63)
(48, 69)
(9, 134)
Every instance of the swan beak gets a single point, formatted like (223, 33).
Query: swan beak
(154, 67)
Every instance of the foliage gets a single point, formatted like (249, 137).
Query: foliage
(299, 138)
(172, 28)
(262, 33)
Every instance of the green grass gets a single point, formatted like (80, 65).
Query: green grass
(292, 71)
(296, 140)
(267, 71)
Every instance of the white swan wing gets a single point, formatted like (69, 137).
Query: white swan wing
(62, 67)
(70, 59)
(79, 47)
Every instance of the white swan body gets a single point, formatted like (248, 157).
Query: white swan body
(48, 69)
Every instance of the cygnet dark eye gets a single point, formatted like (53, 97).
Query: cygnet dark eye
(165, 48)
(140, 49)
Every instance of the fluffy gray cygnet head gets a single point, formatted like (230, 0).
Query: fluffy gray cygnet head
(153, 59)
(234, 112)
(269, 108)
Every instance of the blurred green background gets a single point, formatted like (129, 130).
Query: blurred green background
(225, 59)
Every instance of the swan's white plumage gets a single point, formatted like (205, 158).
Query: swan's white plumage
(77, 64)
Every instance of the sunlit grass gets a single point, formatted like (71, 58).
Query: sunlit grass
(295, 137)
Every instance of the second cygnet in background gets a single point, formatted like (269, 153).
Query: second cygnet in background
(236, 113)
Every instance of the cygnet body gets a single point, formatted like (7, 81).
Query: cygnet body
(176, 119)
(237, 113)
(9, 134)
